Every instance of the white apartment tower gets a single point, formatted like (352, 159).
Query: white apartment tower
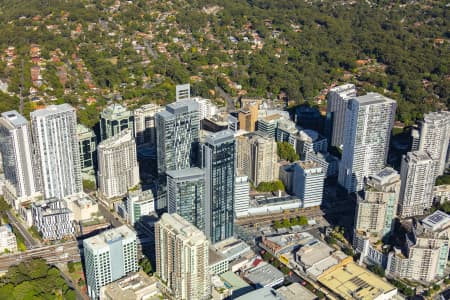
(337, 100)
(109, 256)
(434, 138)
(368, 124)
(118, 168)
(56, 144)
(308, 182)
(182, 253)
(16, 152)
(417, 175)
(144, 124)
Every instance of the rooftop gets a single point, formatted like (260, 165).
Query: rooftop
(418, 156)
(186, 174)
(181, 227)
(264, 275)
(115, 110)
(175, 108)
(262, 294)
(373, 98)
(134, 286)
(52, 109)
(234, 282)
(118, 139)
(351, 281)
(308, 164)
(345, 90)
(103, 239)
(14, 118)
(220, 137)
(296, 291)
(314, 252)
(437, 221)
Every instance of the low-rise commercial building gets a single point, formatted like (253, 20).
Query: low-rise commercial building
(264, 275)
(135, 286)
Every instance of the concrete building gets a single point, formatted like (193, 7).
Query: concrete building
(87, 142)
(286, 131)
(265, 293)
(182, 261)
(328, 162)
(286, 175)
(417, 174)
(241, 195)
(108, 257)
(118, 169)
(424, 255)
(264, 275)
(247, 116)
(368, 124)
(205, 107)
(177, 136)
(337, 100)
(145, 124)
(8, 242)
(113, 119)
(135, 286)
(441, 193)
(377, 205)
(52, 219)
(219, 163)
(17, 158)
(218, 263)
(296, 291)
(434, 138)
(140, 203)
(309, 180)
(56, 145)
(183, 92)
(309, 141)
(186, 195)
(257, 157)
(82, 206)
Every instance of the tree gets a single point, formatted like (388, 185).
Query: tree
(270, 186)
(146, 266)
(287, 152)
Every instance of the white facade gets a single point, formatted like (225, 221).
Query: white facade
(109, 256)
(144, 124)
(205, 107)
(337, 100)
(8, 240)
(53, 219)
(417, 174)
(118, 168)
(368, 124)
(309, 179)
(241, 195)
(56, 145)
(140, 203)
(434, 138)
(83, 206)
(16, 153)
(182, 258)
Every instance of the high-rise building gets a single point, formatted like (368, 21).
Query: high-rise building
(337, 100)
(88, 150)
(183, 92)
(218, 161)
(113, 119)
(310, 141)
(248, 116)
(205, 107)
(309, 180)
(241, 195)
(109, 256)
(118, 168)
(177, 136)
(182, 253)
(56, 144)
(139, 204)
(416, 193)
(368, 125)
(144, 124)
(377, 205)
(257, 157)
(434, 138)
(424, 256)
(17, 155)
(52, 218)
(186, 195)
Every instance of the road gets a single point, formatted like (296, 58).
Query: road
(109, 216)
(30, 242)
(227, 97)
(150, 50)
(60, 253)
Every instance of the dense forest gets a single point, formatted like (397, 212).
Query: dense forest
(268, 48)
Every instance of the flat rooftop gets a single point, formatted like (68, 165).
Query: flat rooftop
(351, 281)
(134, 286)
(103, 239)
(373, 98)
(314, 252)
(52, 109)
(437, 221)
(263, 294)
(14, 118)
(185, 174)
(264, 275)
(234, 282)
(296, 291)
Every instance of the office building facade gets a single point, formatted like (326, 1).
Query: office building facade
(368, 125)
(88, 149)
(219, 163)
(55, 140)
(118, 168)
(241, 195)
(113, 119)
(145, 124)
(186, 195)
(416, 193)
(108, 257)
(182, 258)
